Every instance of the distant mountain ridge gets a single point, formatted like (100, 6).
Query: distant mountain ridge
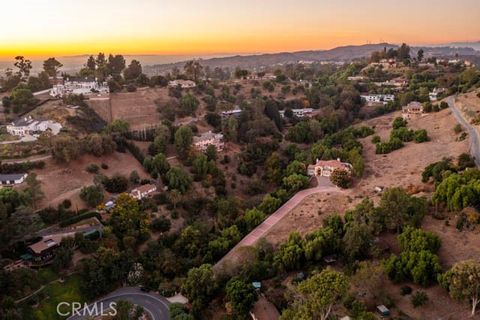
(343, 53)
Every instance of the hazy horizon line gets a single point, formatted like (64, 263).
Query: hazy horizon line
(234, 53)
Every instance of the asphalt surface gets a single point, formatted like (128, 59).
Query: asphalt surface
(324, 186)
(154, 304)
(473, 133)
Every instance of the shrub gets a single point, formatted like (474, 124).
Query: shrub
(405, 290)
(7, 168)
(376, 139)
(465, 161)
(80, 217)
(387, 147)
(92, 195)
(116, 184)
(463, 136)
(419, 299)
(443, 105)
(421, 136)
(131, 88)
(399, 122)
(341, 178)
(161, 224)
(67, 203)
(104, 166)
(458, 128)
(92, 168)
(403, 134)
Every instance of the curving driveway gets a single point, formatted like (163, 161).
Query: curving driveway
(324, 185)
(154, 304)
(472, 131)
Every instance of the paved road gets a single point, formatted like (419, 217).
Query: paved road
(472, 131)
(154, 304)
(324, 186)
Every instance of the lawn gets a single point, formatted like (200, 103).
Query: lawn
(54, 293)
(46, 275)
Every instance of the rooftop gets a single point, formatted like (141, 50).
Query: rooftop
(144, 188)
(45, 243)
(11, 176)
(208, 136)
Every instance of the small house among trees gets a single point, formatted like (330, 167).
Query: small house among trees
(143, 191)
(184, 84)
(209, 138)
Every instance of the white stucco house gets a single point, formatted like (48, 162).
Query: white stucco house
(435, 93)
(143, 191)
(299, 113)
(85, 87)
(28, 126)
(184, 84)
(378, 98)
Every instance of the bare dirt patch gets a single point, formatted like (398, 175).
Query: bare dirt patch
(404, 167)
(64, 181)
(137, 108)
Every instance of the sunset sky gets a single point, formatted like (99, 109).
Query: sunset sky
(39, 28)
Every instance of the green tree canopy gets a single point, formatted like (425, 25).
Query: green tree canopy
(463, 282)
(317, 295)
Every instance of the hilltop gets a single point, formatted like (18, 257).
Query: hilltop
(343, 53)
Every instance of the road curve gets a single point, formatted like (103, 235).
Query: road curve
(472, 131)
(324, 186)
(154, 304)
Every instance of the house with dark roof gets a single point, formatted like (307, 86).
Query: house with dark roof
(12, 179)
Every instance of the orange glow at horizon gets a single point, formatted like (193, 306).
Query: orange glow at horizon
(41, 28)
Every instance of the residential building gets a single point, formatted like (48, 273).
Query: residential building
(209, 138)
(184, 84)
(28, 126)
(257, 77)
(434, 94)
(378, 98)
(143, 191)
(385, 63)
(56, 80)
(235, 112)
(325, 168)
(299, 113)
(397, 83)
(44, 250)
(79, 86)
(357, 78)
(413, 109)
(12, 179)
